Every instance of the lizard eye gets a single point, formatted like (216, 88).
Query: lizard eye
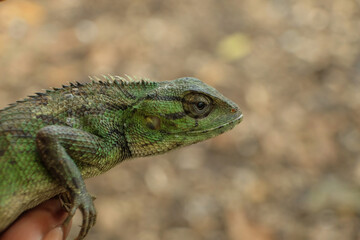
(197, 105)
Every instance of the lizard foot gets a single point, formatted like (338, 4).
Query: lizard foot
(65, 201)
(85, 203)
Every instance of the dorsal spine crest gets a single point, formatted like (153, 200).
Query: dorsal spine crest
(106, 80)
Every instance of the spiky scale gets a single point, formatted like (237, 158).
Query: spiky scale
(40, 94)
(51, 141)
(78, 84)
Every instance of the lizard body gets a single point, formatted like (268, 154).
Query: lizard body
(52, 141)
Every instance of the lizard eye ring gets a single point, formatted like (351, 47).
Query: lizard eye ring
(197, 105)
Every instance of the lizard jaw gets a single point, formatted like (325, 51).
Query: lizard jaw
(229, 125)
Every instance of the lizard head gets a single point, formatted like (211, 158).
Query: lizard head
(179, 113)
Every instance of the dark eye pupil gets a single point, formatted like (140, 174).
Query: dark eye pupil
(201, 105)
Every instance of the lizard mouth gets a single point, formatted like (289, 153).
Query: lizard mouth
(224, 127)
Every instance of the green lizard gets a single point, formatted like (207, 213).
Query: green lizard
(52, 141)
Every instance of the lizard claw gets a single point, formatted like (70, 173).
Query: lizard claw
(89, 220)
(84, 202)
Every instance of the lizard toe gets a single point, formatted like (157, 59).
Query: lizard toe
(89, 216)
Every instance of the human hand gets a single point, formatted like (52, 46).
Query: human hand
(43, 222)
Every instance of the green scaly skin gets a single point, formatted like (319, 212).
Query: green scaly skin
(52, 141)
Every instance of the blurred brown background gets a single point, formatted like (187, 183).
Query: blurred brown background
(291, 170)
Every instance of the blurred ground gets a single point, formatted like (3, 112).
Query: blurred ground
(291, 170)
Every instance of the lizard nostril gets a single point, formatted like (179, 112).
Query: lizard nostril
(233, 110)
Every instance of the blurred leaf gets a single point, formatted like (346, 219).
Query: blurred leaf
(234, 47)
